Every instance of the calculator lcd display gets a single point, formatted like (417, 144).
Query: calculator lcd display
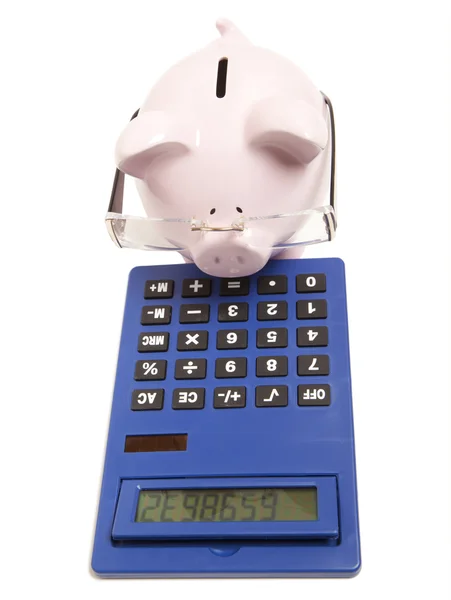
(232, 505)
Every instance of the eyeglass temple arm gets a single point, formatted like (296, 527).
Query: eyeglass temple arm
(117, 192)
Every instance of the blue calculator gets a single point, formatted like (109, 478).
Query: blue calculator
(231, 447)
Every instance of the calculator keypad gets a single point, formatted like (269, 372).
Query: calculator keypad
(269, 365)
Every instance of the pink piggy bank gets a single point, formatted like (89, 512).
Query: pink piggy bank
(231, 150)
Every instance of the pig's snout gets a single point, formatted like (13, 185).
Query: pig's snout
(228, 257)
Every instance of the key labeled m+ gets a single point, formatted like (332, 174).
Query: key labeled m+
(163, 288)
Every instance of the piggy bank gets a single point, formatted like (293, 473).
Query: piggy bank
(231, 151)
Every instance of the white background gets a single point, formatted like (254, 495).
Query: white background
(71, 75)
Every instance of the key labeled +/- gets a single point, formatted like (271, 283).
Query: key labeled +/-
(194, 313)
(231, 367)
(186, 398)
(153, 342)
(268, 395)
(272, 311)
(190, 368)
(313, 365)
(312, 336)
(158, 288)
(311, 309)
(314, 395)
(313, 282)
(150, 370)
(192, 340)
(229, 397)
(147, 399)
(276, 337)
(196, 287)
(156, 315)
(234, 287)
(231, 339)
(275, 284)
(233, 311)
(272, 366)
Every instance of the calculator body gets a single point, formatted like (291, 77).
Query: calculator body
(248, 424)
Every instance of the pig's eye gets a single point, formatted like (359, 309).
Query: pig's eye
(240, 210)
(213, 210)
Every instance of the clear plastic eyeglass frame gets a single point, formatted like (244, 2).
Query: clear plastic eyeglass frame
(307, 227)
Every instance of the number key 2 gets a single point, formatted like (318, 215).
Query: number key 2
(272, 311)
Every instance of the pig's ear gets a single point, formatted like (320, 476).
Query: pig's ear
(288, 125)
(148, 136)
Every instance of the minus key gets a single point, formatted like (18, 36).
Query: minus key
(194, 313)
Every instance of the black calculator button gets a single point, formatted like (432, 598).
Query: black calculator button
(314, 282)
(312, 336)
(147, 399)
(272, 311)
(234, 287)
(272, 366)
(194, 313)
(187, 398)
(231, 367)
(159, 288)
(190, 368)
(314, 395)
(156, 315)
(277, 284)
(313, 365)
(311, 309)
(268, 395)
(153, 342)
(196, 287)
(237, 311)
(276, 337)
(150, 370)
(229, 397)
(192, 340)
(231, 339)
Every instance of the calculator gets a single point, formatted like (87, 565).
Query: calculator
(231, 448)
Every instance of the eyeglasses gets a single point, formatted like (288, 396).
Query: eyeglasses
(279, 231)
